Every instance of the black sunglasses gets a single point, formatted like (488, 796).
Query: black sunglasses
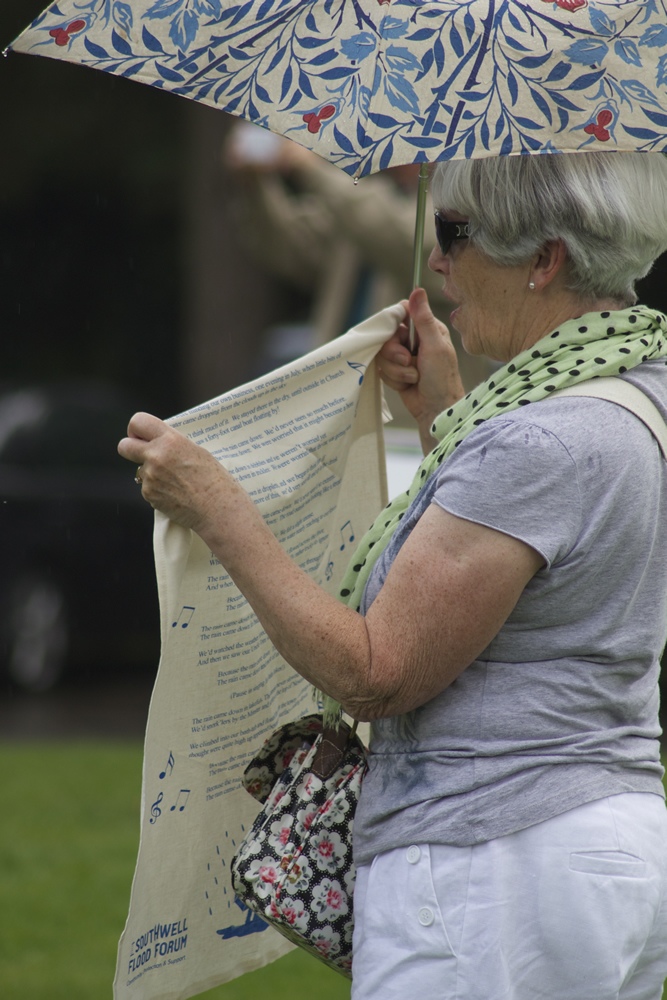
(446, 232)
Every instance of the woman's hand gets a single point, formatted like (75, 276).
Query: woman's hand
(178, 477)
(430, 382)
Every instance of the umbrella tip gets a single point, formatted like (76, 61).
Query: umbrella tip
(5, 52)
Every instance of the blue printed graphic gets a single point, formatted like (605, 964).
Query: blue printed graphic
(253, 924)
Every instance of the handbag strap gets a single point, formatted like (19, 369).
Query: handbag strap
(617, 390)
(331, 750)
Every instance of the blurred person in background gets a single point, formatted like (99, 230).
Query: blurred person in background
(348, 246)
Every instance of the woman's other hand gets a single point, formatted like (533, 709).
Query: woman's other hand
(177, 477)
(428, 382)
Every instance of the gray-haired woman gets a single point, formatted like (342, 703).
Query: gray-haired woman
(505, 618)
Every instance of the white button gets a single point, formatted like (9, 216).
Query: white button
(414, 854)
(425, 916)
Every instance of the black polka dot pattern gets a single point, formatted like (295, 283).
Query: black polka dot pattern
(578, 350)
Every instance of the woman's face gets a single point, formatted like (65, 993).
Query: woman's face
(492, 310)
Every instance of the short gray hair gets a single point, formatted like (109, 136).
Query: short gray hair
(609, 208)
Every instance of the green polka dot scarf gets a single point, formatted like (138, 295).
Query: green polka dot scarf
(596, 344)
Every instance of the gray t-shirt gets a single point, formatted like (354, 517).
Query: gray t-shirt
(562, 707)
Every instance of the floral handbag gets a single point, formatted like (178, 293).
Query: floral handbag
(295, 867)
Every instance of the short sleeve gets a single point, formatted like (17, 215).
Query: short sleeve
(518, 478)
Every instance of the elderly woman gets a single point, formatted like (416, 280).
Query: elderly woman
(504, 630)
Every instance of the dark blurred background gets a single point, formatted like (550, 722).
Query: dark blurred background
(123, 286)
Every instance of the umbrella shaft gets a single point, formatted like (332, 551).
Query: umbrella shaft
(419, 240)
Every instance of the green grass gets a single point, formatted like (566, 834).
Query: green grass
(69, 832)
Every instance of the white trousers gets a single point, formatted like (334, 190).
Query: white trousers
(574, 908)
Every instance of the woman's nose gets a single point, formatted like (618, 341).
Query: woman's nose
(438, 261)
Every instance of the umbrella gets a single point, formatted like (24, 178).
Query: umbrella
(372, 83)
(369, 84)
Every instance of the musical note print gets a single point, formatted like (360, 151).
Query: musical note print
(186, 614)
(343, 533)
(156, 812)
(183, 791)
(168, 766)
(358, 367)
(329, 570)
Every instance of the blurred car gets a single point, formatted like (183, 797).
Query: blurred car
(77, 580)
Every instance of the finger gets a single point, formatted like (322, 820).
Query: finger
(146, 427)
(395, 375)
(400, 384)
(394, 350)
(133, 449)
(430, 329)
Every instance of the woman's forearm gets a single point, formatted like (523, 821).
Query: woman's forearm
(325, 641)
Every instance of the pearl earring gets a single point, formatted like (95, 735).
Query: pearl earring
(531, 285)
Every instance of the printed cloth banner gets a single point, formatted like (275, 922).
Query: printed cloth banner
(306, 443)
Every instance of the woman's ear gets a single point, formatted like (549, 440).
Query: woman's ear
(546, 264)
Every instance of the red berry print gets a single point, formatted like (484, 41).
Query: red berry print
(315, 121)
(598, 129)
(62, 35)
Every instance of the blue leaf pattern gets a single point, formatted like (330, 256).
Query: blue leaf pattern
(394, 27)
(587, 51)
(628, 51)
(655, 36)
(400, 81)
(602, 23)
(122, 15)
(359, 46)
(120, 44)
(149, 40)
(662, 71)
(95, 50)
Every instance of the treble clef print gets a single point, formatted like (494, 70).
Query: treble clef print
(156, 812)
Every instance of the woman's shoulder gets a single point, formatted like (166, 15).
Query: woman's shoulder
(555, 436)
(586, 422)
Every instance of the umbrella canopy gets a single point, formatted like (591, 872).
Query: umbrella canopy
(373, 83)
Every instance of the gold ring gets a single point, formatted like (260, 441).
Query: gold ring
(138, 480)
